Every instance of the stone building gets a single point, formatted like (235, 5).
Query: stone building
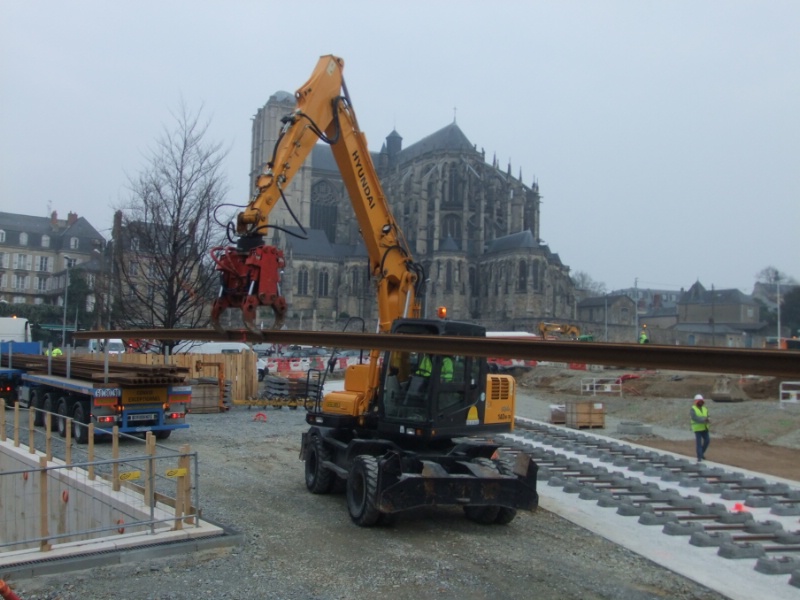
(472, 225)
(35, 253)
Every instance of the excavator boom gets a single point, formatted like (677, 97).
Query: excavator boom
(250, 271)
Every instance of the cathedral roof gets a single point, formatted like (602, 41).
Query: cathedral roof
(449, 138)
(449, 245)
(315, 243)
(515, 241)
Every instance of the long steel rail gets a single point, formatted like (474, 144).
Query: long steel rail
(745, 361)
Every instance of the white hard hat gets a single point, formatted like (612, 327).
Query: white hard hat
(699, 397)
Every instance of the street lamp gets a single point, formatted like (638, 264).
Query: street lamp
(778, 301)
(66, 291)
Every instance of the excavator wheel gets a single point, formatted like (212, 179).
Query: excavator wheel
(488, 515)
(319, 479)
(505, 515)
(362, 491)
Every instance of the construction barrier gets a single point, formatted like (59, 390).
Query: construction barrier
(594, 386)
(789, 393)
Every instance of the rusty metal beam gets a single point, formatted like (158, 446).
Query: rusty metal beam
(778, 363)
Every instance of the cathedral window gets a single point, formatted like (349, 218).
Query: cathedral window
(322, 284)
(448, 277)
(522, 276)
(302, 282)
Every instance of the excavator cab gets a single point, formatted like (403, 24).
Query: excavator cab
(440, 396)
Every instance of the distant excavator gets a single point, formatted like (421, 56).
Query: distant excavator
(562, 330)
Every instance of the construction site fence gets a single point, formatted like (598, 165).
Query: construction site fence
(55, 492)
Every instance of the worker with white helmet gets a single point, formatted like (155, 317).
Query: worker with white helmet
(700, 425)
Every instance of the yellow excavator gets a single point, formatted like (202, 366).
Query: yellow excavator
(398, 436)
(559, 329)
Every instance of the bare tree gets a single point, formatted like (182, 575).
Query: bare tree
(771, 274)
(583, 281)
(162, 272)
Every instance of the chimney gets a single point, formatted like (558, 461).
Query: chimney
(71, 218)
(54, 219)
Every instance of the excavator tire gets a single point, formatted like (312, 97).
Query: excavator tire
(319, 479)
(362, 491)
(504, 514)
(486, 515)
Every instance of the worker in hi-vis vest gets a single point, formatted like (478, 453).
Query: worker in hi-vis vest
(700, 424)
(425, 368)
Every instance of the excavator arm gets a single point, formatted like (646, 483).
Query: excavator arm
(250, 272)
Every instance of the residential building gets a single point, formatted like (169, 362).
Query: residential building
(35, 253)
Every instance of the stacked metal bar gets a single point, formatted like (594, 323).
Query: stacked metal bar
(93, 370)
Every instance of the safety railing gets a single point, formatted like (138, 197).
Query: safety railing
(789, 394)
(595, 385)
(53, 491)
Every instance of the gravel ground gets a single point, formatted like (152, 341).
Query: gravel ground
(301, 546)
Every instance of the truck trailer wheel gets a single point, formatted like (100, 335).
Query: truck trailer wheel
(80, 420)
(362, 491)
(319, 479)
(49, 405)
(36, 403)
(61, 419)
(162, 435)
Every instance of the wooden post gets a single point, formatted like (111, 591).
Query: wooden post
(44, 515)
(91, 452)
(115, 455)
(68, 444)
(150, 450)
(181, 503)
(48, 436)
(31, 431)
(16, 426)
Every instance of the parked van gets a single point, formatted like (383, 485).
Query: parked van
(114, 346)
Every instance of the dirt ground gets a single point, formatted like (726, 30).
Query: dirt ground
(751, 432)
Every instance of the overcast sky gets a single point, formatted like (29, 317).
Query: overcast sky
(665, 136)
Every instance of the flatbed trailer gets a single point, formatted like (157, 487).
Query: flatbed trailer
(136, 402)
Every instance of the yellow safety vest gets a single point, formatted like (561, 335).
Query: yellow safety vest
(700, 412)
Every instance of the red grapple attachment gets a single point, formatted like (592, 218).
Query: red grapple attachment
(249, 278)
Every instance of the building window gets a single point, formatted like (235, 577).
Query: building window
(90, 280)
(522, 276)
(20, 282)
(23, 239)
(302, 282)
(22, 262)
(448, 277)
(322, 284)
(2, 236)
(73, 243)
(44, 263)
(41, 284)
(134, 269)
(135, 244)
(355, 281)
(45, 241)
(3, 260)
